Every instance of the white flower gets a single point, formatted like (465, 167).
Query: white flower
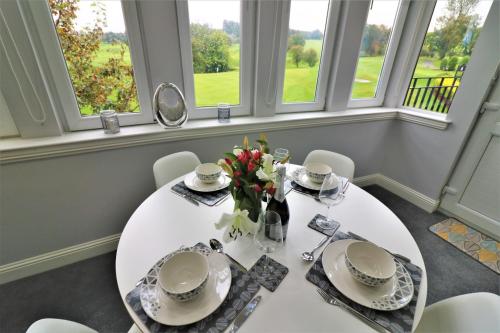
(237, 151)
(237, 225)
(266, 172)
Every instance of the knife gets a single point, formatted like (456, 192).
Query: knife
(244, 314)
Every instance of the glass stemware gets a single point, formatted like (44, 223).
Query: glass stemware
(330, 195)
(280, 154)
(269, 237)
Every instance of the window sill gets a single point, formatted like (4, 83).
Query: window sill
(19, 149)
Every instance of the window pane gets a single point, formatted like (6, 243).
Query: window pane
(305, 43)
(215, 42)
(448, 44)
(94, 42)
(376, 37)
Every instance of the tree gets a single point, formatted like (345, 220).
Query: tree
(375, 39)
(459, 22)
(310, 57)
(296, 40)
(98, 87)
(297, 52)
(210, 49)
(232, 28)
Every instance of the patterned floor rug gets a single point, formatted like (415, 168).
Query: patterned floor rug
(477, 245)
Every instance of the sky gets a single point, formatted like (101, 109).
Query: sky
(305, 15)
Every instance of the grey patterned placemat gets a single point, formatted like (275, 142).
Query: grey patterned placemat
(271, 277)
(395, 321)
(207, 198)
(314, 225)
(303, 190)
(243, 289)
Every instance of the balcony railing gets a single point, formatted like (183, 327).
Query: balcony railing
(432, 93)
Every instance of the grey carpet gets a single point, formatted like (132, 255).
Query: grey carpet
(86, 292)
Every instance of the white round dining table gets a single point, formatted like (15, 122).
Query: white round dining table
(165, 221)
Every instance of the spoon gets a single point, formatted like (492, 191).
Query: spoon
(309, 256)
(217, 247)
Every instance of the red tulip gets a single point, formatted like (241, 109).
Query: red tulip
(251, 166)
(256, 155)
(257, 188)
(228, 161)
(237, 173)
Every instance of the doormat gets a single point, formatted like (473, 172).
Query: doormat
(477, 245)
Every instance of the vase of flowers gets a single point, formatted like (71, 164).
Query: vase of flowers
(252, 176)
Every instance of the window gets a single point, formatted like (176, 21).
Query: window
(374, 47)
(95, 45)
(216, 68)
(304, 62)
(444, 54)
(304, 49)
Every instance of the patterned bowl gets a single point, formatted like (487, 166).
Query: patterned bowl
(369, 264)
(208, 172)
(317, 172)
(183, 276)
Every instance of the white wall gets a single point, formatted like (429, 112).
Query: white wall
(53, 203)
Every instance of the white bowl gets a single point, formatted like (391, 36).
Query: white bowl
(317, 172)
(369, 264)
(208, 172)
(184, 275)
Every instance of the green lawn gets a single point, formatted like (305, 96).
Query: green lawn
(299, 84)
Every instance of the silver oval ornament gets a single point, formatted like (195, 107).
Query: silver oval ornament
(169, 106)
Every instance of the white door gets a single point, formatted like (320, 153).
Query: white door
(473, 192)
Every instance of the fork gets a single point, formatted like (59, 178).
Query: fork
(336, 302)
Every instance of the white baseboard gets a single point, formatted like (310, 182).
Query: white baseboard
(69, 255)
(418, 199)
(47, 261)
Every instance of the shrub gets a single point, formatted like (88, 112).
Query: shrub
(310, 57)
(452, 64)
(444, 64)
(464, 60)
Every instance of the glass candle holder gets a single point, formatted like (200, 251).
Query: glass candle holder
(223, 112)
(109, 120)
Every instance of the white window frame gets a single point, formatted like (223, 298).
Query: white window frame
(247, 10)
(385, 73)
(325, 61)
(62, 82)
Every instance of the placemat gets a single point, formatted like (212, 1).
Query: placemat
(328, 232)
(243, 289)
(207, 198)
(395, 321)
(303, 190)
(272, 279)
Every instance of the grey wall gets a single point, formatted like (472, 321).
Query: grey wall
(50, 204)
(423, 158)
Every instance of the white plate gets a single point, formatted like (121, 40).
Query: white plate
(393, 295)
(300, 177)
(165, 310)
(194, 183)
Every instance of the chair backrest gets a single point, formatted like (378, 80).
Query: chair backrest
(174, 165)
(476, 312)
(340, 164)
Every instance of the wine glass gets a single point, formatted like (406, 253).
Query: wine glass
(269, 237)
(330, 195)
(280, 154)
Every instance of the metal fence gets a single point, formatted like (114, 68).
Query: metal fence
(432, 93)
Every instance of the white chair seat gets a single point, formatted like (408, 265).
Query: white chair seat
(340, 164)
(174, 165)
(51, 325)
(470, 313)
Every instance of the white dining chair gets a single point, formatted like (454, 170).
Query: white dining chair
(52, 325)
(174, 165)
(477, 312)
(340, 164)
